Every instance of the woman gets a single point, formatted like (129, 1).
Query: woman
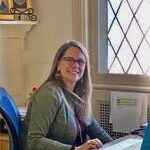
(59, 112)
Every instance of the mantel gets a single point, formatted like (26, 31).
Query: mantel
(15, 28)
(18, 22)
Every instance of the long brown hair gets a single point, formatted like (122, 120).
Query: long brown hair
(83, 87)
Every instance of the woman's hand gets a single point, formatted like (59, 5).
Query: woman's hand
(90, 144)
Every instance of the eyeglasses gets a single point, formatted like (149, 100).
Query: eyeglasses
(71, 61)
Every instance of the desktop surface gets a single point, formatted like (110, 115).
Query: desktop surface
(129, 142)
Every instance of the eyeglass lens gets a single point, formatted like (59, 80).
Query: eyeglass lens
(71, 60)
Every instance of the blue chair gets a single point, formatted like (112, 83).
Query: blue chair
(11, 115)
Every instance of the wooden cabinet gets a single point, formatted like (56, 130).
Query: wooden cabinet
(4, 141)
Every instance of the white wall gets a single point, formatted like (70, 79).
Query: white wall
(26, 57)
(55, 25)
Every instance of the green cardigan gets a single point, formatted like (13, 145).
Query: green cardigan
(50, 125)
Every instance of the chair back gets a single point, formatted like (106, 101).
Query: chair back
(11, 115)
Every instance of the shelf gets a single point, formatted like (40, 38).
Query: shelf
(15, 28)
(18, 22)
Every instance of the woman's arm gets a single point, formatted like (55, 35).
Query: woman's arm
(96, 131)
(44, 108)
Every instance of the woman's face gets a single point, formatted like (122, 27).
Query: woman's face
(71, 66)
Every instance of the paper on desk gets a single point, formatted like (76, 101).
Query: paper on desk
(128, 110)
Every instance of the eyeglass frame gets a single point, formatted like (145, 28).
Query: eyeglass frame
(71, 60)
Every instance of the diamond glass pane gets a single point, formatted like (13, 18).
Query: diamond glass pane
(115, 40)
(111, 16)
(125, 54)
(148, 37)
(143, 16)
(135, 69)
(124, 21)
(111, 56)
(115, 4)
(116, 67)
(143, 56)
(134, 4)
(134, 35)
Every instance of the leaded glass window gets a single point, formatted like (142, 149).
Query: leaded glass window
(128, 36)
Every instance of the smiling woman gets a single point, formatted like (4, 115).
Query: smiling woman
(59, 115)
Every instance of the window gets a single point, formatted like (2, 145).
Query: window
(128, 38)
(120, 46)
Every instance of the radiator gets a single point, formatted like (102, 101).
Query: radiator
(104, 109)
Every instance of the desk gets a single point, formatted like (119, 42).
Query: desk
(130, 142)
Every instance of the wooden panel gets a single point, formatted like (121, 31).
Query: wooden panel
(4, 141)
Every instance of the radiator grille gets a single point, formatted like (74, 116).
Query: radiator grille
(104, 109)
